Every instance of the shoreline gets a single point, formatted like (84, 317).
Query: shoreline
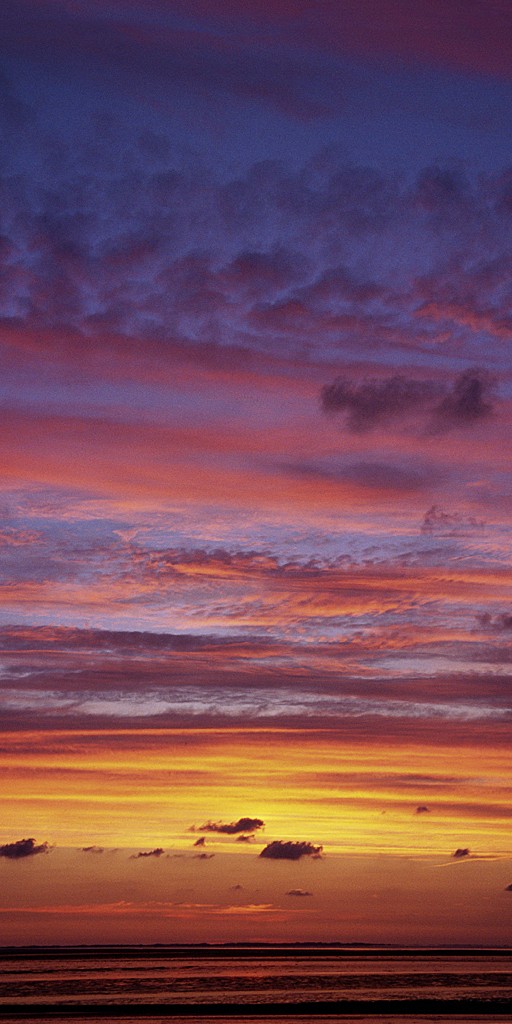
(246, 950)
(348, 1007)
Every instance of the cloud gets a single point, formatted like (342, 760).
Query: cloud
(12, 537)
(203, 856)
(22, 848)
(245, 839)
(112, 685)
(435, 407)
(93, 849)
(233, 828)
(138, 643)
(422, 809)
(440, 190)
(508, 888)
(290, 850)
(438, 521)
(156, 909)
(261, 274)
(13, 112)
(208, 56)
(501, 623)
(461, 852)
(368, 474)
(150, 853)
(156, 39)
(299, 892)
(468, 401)
(370, 402)
(200, 842)
(258, 288)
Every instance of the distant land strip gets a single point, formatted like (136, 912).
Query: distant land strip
(377, 1008)
(246, 950)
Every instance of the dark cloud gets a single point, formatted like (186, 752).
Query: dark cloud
(203, 856)
(22, 848)
(435, 408)
(245, 839)
(234, 827)
(371, 402)
(422, 809)
(508, 888)
(93, 849)
(299, 892)
(501, 623)
(461, 852)
(200, 842)
(158, 852)
(121, 641)
(290, 850)
(467, 402)
(437, 520)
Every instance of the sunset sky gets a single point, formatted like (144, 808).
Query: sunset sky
(256, 517)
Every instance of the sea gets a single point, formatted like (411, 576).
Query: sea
(243, 983)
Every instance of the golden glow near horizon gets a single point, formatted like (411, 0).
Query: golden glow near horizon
(413, 844)
(152, 786)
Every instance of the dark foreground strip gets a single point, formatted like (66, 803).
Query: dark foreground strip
(391, 1007)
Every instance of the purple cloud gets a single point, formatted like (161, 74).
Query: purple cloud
(370, 403)
(452, 523)
(501, 623)
(233, 828)
(158, 852)
(22, 848)
(290, 850)
(467, 402)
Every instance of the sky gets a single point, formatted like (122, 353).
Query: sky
(255, 575)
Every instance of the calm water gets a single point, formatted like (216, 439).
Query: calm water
(329, 1019)
(130, 980)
